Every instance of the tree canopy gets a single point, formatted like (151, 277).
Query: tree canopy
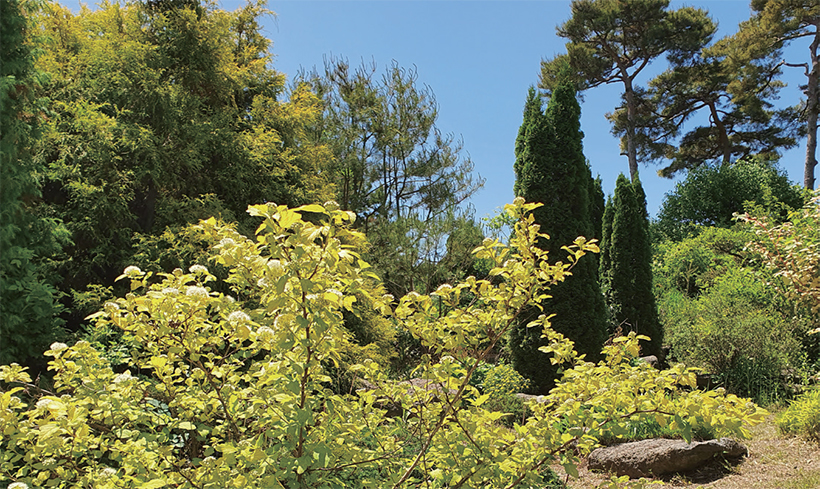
(736, 94)
(393, 167)
(163, 114)
(612, 41)
(776, 24)
(710, 195)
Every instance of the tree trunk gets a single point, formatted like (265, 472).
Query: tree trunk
(722, 137)
(812, 108)
(631, 111)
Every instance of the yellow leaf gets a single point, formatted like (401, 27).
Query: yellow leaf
(311, 208)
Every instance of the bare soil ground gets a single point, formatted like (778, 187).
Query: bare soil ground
(775, 461)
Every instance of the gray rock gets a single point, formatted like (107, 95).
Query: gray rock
(652, 360)
(529, 397)
(653, 457)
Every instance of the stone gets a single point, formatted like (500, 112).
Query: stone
(652, 360)
(658, 456)
(530, 397)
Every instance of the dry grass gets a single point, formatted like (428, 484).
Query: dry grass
(774, 462)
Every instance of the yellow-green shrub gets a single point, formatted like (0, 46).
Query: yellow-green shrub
(802, 417)
(218, 396)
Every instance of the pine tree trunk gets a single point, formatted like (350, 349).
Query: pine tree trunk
(812, 108)
(631, 110)
(721, 128)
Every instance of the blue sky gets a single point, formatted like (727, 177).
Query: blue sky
(479, 58)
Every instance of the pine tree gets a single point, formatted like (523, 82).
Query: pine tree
(613, 41)
(551, 169)
(626, 264)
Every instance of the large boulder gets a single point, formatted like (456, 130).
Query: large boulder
(654, 457)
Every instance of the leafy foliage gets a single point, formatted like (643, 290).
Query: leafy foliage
(229, 397)
(792, 251)
(802, 417)
(692, 265)
(719, 314)
(28, 299)
(735, 332)
(164, 114)
(711, 195)
(550, 168)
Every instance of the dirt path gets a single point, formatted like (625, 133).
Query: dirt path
(774, 462)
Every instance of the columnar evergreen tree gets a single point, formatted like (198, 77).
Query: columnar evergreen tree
(551, 169)
(27, 301)
(626, 264)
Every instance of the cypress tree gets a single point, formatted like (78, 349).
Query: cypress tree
(551, 169)
(626, 264)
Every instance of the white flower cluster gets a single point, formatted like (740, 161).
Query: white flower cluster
(170, 291)
(108, 472)
(197, 269)
(123, 377)
(44, 403)
(132, 272)
(276, 267)
(198, 292)
(58, 347)
(264, 334)
(238, 317)
(18, 485)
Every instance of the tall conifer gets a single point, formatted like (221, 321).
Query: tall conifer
(626, 264)
(28, 302)
(551, 169)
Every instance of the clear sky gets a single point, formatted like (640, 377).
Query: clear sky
(479, 58)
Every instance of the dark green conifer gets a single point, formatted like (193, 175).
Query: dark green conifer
(551, 169)
(626, 264)
(28, 305)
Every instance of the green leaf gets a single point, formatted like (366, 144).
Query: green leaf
(153, 484)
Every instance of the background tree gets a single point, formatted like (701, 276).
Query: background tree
(28, 300)
(163, 114)
(776, 24)
(735, 93)
(551, 169)
(612, 41)
(711, 194)
(394, 168)
(626, 272)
